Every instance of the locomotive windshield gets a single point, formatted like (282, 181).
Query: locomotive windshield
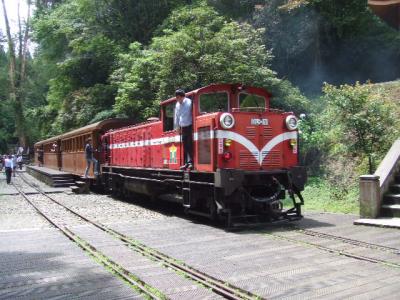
(213, 102)
(251, 100)
(168, 121)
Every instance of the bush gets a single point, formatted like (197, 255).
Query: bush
(360, 122)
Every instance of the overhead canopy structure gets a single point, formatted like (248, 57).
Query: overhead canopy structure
(387, 10)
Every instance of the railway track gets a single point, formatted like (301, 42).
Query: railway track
(348, 240)
(224, 289)
(320, 237)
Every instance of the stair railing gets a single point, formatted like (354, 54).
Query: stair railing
(373, 187)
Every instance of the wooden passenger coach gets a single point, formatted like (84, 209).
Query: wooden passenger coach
(50, 151)
(67, 152)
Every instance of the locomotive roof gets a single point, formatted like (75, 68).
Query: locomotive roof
(216, 87)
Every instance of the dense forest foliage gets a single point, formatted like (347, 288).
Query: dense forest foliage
(98, 59)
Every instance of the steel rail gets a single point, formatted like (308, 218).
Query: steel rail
(122, 272)
(347, 240)
(336, 251)
(222, 288)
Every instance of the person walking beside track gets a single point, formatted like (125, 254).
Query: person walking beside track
(8, 164)
(90, 158)
(14, 160)
(20, 161)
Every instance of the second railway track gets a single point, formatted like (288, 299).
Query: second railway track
(347, 240)
(221, 288)
(318, 239)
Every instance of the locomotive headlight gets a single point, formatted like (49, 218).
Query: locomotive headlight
(291, 122)
(227, 120)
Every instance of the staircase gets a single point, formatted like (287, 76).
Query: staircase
(62, 180)
(391, 200)
(81, 186)
(380, 192)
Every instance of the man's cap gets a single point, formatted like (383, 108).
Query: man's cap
(180, 92)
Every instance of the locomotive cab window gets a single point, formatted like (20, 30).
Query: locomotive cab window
(251, 100)
(168, 116)
(213, 102)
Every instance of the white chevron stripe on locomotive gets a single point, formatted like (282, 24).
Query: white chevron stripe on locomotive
(259, 155)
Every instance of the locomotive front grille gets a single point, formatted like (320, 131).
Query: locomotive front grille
(273, 159)
(267, 133)
(247, 160)
(251, 133)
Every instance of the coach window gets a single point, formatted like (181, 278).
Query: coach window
(168, 115)
(213, 102)
(251, 100)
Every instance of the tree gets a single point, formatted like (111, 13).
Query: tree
(235, 8)
(79, 41)
(17, 72)
(195, 47)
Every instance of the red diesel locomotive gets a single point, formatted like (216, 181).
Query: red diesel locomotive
(245, 157)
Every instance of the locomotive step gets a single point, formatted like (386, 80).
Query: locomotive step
(391, 199)
(391, 210)
(74, 189)
(397, 178)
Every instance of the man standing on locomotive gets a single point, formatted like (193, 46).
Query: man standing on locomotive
(183, 123)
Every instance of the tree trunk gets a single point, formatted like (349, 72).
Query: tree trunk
(16, 79)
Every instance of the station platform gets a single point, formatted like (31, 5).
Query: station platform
(54, 178)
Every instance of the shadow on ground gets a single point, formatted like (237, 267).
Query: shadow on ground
(34, 275)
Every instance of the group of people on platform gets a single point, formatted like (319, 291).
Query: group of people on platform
(10, 163)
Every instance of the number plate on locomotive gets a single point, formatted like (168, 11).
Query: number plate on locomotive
(259, 122)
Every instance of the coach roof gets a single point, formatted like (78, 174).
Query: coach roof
(102, 125)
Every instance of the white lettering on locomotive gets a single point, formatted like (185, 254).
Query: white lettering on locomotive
(220, 146)
(259, 122)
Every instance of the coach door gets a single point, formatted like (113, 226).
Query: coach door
(208, 104)
(171, 140)
(204, 144)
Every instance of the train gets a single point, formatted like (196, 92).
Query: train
(246, 156)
